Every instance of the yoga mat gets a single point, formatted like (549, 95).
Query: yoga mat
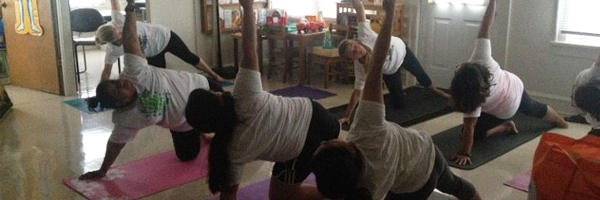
(520, 182)
(81, 105)
(226, 83)
(576, 119)
(421, 105)
(302, 91)
(450, 141)
(260, 190)
(143, 177)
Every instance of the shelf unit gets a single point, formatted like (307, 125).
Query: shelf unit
(207, 14)
(346, 16)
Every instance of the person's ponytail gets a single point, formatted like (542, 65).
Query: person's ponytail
(205, 113)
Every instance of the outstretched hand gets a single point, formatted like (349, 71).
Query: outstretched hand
(461, 159)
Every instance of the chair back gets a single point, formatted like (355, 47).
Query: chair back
(86, 20)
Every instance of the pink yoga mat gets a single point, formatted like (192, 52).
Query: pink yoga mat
(521, 182)
(143, 177)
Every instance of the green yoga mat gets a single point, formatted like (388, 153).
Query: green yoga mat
(421, 105)
(450, 141)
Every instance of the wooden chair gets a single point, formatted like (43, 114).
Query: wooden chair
(330, 60)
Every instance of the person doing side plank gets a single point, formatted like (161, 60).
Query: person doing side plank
(489, 96)
(155, 40)
(381, 159)
(145, 96)
(252, 124)
(398, 56)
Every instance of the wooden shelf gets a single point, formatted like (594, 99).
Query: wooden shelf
(207, 15)
(345, 13)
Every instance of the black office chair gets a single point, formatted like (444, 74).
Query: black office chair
(85, 20)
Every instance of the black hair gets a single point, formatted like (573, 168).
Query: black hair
(102, 99)
(470, 86)
(587, 98)
(205, 113)
(337, 171)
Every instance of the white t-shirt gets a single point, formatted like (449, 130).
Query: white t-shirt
(584, 77)
(271, 128)
(395, 55)
(506, 88)
(587, 75)
(153, 38)
(161, 100)
(396, 159)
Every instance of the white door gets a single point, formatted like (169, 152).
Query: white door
(447, 36)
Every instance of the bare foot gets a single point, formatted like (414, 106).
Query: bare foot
(510, 127)
(506, 127)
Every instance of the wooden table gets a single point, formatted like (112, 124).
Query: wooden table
(303, 40)
(238, 36)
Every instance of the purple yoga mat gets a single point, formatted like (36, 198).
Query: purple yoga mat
(302, 91)
(143, 177)
(260, 190)
(521, 182)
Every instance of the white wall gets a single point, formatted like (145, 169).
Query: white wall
(547, 69)
(181, 17)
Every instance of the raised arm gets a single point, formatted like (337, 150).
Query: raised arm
(372, 91)
(360, 10)
(488, 18)
(131, 43)
(249, 56)
(114, 5)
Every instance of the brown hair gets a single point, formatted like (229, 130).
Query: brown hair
(105, 34)
(365, 60)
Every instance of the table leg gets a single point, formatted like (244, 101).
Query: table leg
(302, 53)
(235, 53)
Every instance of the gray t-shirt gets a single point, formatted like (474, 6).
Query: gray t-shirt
(271, 128)
(396, 159)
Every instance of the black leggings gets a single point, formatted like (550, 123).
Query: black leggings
(178, 48)
(441, 178)
(527, 106)
(187, 144)
(394, 81)
(323, 126)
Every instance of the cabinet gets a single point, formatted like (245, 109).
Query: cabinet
(231, 15)
(346, 16)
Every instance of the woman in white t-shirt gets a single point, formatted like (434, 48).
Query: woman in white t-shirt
(155, 40)
(398, 56)
(144, 96)
(489, 96)
(591, 74)
(381, 159)
(252, 124)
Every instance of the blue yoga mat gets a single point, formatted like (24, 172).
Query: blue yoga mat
(81, 105)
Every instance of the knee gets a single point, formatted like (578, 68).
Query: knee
(187, 156)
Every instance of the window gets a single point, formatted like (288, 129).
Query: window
(577, 22)
(297, 8)
(86, 3)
